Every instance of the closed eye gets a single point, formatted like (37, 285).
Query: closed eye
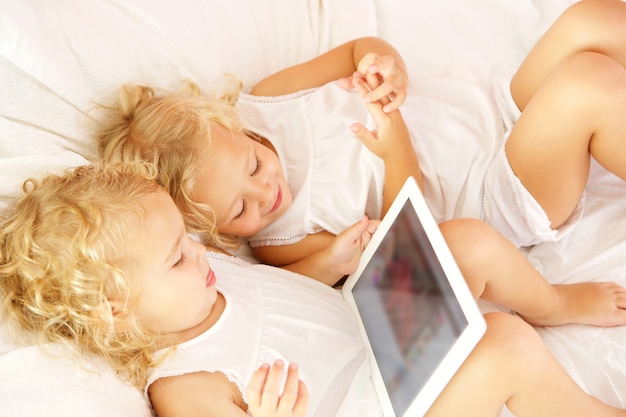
(242, 212)
(257, 168)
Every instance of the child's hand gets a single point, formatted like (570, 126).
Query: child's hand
(264, 398)
(385, 81)
(348, 246)
(391, 137)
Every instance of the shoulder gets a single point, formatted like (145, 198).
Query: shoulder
(199, 393)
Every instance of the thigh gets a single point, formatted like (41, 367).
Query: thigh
(579, 108)
(588, 25)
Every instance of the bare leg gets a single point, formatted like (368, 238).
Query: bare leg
(497, 271)
(512, 366)
(571, 89)
(576, 113)
(586, 26)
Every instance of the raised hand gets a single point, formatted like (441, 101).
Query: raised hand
(391, 136)
(384, 81)
(390, 141)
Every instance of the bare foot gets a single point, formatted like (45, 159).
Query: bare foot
(595, 303)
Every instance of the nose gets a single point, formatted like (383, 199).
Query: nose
(262, 193)
(198, 248)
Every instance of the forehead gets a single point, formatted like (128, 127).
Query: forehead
(162, 216)
(223, 171)
(151, 237)
(224, 142)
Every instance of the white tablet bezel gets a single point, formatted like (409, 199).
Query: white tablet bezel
(469, 337)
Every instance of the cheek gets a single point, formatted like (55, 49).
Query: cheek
(244, 227)
(172, 311)
(275, 163)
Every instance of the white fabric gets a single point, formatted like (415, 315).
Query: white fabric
(505, 203)
(333, 178)
(454, 143)
(512, 210)
(58, 56)
(274, 314)
(52, 382)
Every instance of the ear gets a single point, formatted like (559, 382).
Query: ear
(117, 309)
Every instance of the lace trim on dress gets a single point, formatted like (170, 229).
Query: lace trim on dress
(227, 258)
(276, 241)
(277, 99)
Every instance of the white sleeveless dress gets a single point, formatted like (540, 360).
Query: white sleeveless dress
(333, 178)
(274, 314)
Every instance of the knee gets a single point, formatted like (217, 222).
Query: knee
(512, 338)
(590, 78)
(471, 241)
(587, 21)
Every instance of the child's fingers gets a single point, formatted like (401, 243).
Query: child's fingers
(272, 385)
(390, 95)
(353, 232)
(256, 385)
(346, 83)
(290, 394)
(386, 83)
(375, 90)
(398, 99)
(376, 64)
(372, 225)
(368, 63)
(302, 402)
(368, 138)
(366, 236)
(374, 107)
(263, 393)
(376, 77)
(360, 84)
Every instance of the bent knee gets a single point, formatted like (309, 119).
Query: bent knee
(588, 79)
(471, 240)
(512, 335)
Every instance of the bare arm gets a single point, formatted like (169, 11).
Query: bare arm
(391, 142)
(338, 63)
(322, 256)
(211, 394)
(201, 394)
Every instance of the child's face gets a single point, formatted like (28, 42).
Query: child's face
(173, 281)
(243, 182)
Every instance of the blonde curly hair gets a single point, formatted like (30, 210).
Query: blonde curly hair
(168, 130)
(64, 249)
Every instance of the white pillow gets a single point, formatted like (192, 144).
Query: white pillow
(57, 57)
(50, 383)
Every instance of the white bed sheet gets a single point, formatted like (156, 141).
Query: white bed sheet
(471, 46)
(56, 56)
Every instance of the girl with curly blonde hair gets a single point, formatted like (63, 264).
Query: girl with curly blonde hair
(306, 190)
(99, 259)
(65, 252)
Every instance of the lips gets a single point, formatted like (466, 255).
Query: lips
(210, 279)
(279, 199)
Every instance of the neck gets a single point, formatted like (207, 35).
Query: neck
(204, 325)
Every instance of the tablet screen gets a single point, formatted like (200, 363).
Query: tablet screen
(410, 313)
